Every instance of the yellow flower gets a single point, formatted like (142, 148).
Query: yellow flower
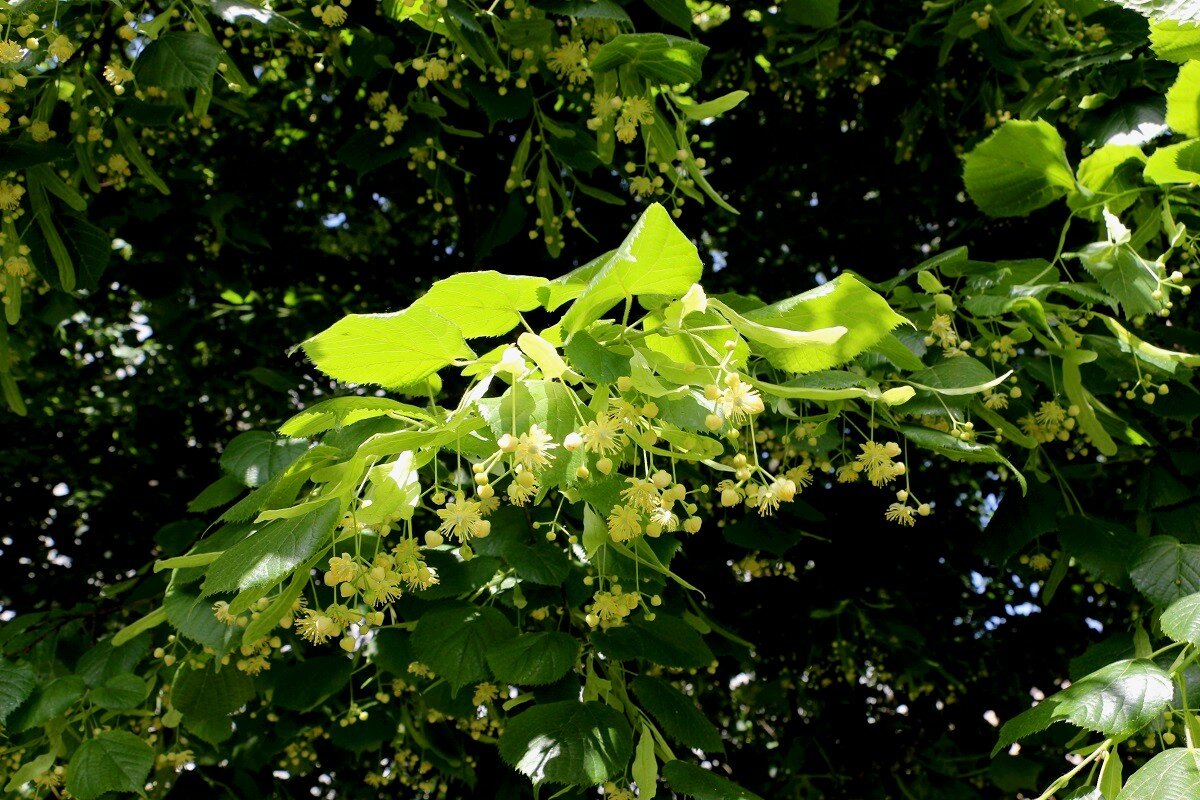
(900, 514)
(221, 612)
(609, 607)
(624, 523)
(10, 51)
(316, 627)
(738, 400)
(567, 62)
(801, 476)
(393, 120)
(533, 448)
(996, 401)
(638, 110)
(484, 694)
(342, 569)
(377, 101)
(332, 15)
(603, 105)
(116, 74)
(641, 186)
(1051, 415)
(877, 460)
(942, 329)
(61, 48)
(602, 436)
(436, 70)
(40, 131)
(459, 518)
(641, 494)
(10, 195)
(524, 487)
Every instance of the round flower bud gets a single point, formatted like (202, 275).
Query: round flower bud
(605, 465)
(572, 442)
(713, 422)
(507, 443)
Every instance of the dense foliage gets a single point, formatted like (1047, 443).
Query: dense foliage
(863, 510)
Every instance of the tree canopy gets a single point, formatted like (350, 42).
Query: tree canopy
(556, 398)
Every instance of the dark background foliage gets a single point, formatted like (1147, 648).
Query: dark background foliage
(877, 661)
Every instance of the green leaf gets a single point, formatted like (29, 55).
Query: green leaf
(1175, 10)
(454, 642)
(391, 350)
(343, 411)
(218, 493)
(572, 743)
(956, 376)
(547, 404)
(48, 702)
(1021, 167)
(956, 449)
(1181, 621)
(1110, 776)
(1170, 775)
(657, 57)
(1110, 175)
(209, 693)
(655, 259)
(28, 771)
(780, 343)
(715, 107)
(1117, 700)
(273, 551)
(192, 616)
(120, 692)
(692, 781)
(280, 607)
(534, 659)
(1183, 101)
(645, 765)
(16, 685)
(1089, 425)
(1165, 570)
(110, 657)
(1157, 357)
(665, 640)
(677, 714)
(305, 685)
(1175, 163)
(675, 12)
(391, 650)
(395, 489)
(843, 302)
(178, 60)
(812, 13)
(483, 303)
(1125, 276)
(1172, 41)
(114, 761)
(254, 457)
